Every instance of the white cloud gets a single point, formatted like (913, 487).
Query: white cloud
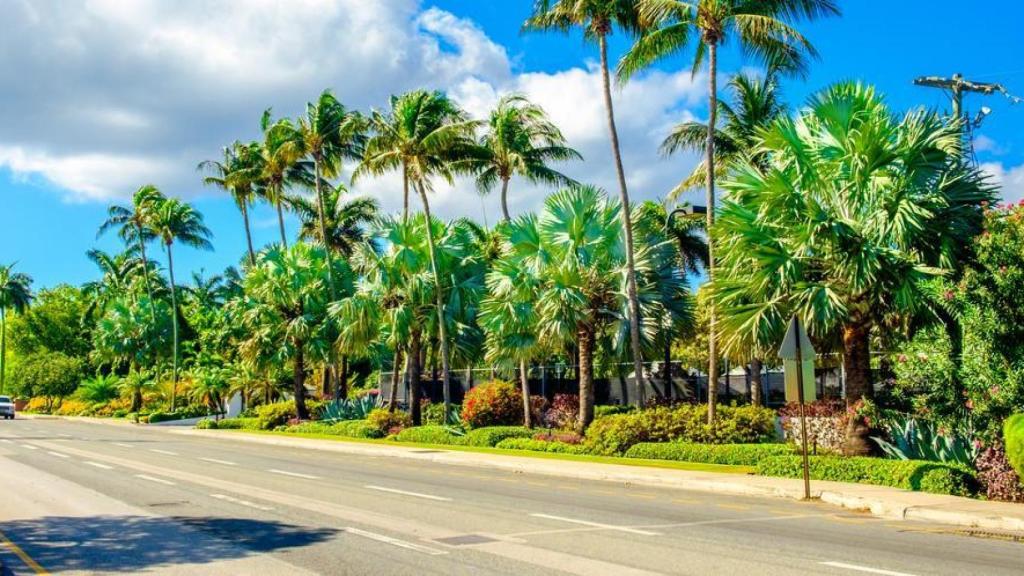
(1010, 180)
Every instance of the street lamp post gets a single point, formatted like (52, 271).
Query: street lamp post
(687, 210)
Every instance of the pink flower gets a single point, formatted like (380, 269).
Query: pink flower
(969, 404)
(994, 390)
(902, 358)
(948, 295)
(922, 356)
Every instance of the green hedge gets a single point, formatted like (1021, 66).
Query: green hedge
(738, 454)
(180, 414)
(491, 435)
(540, 446)
(917, 475)
(430, 434)
(1013, 435)
(239, 424)
(346, 428)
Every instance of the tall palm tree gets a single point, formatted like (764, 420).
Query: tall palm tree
(131, 222)
(519, 141)
(425, 135)
(597, 19)
(16, 295)
(117, 274)
(280, 164)
(345, 221)
(176, 221)
(236, 174)
(763, 29)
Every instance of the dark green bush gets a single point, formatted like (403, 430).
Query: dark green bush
(430, 434)
(612, 409)
(1013, 437)
(738, 454)
(685, 422)
(239, 424)
(346, 428)
(271, 416)
(907, 474)
(179, 414)
(491, 435)
(540, 446)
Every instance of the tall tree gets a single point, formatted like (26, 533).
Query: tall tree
(345, 220)
(425, 135)
(117, 274)
(132, 335)
(519, 141)
(763, 29)
(131, 224)
(237, 174)
(597, 19)
(280, 164)
(176, 221)
(15, 295)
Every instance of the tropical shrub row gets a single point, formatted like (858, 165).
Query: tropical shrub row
(916, 475)
(735, 454)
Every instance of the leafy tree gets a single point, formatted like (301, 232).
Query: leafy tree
(853, 212)
(58, 321)
(15, 295)
(48, 374)
(762, 29)
(597, 19)
(131, 336)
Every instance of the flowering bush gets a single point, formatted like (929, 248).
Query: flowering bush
(564, 411)
(997, 478)
(826, 424)
(555, 436)
(388, 423)
(494, 403)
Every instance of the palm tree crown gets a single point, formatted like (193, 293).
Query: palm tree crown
(345, 220)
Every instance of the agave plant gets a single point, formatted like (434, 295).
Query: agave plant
(345, 409)
(923, 440)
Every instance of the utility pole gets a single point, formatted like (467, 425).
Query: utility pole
(958, 86)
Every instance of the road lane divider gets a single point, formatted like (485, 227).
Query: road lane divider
(241, 502)
(394, 541)
(153, 479)
(57, 454)
(29, 447)
(407, 493)
(293, 474)
(218, 461)
(98, 465)
(597, 525)
(867, 569)
(165, 452)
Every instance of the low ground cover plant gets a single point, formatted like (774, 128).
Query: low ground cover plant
(492, 435)
(430, 434)
(736, 454)
(535, 445)
(915, 475)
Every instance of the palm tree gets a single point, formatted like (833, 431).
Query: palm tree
(131, 222)
(15, 295)
(425, 135)
(132, 334)
(597, 18)
(520, 140)
(117, 274)
(236, 174)
(764, 30)
(345, 221)
(844, 229)
(280, 164)
(176, 221)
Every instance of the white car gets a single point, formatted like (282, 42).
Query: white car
(7, 407)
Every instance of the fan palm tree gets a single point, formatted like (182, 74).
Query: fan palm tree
(519, 141)
(852, 213)
(236, 174)
(763, 29)
(345, 221)
(280, 165)
(15, 295)
(131, 224)
(597, 19)
(132, 334)
(425, 135)
(176, 221)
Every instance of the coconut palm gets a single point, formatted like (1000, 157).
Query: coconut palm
(285, 314)
(519, 141)
(346, 220)
(280, 165)
(118, 272)
(237, 175)
(176, 221)
(131, 224)
(852, 212)
(425, 135)
(15, 295)
(762, 29)
(597, 19)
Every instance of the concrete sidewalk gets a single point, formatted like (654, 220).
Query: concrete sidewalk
(892, 503)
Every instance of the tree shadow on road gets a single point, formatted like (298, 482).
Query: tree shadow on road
(134, 543)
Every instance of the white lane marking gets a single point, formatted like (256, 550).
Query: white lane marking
(405, 493)
(167, 452)
(216, 461)
(157, 480)
(57, 454)
(867, 569)
(395, 541)
(234, 500)
(295, 474)
(29, 447)
(98, 465)
(123, 445)
(65, 435)
(6, 441)
(597, 525)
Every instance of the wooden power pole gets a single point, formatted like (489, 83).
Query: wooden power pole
(958, 86)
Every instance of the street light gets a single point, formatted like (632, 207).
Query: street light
(687, 210)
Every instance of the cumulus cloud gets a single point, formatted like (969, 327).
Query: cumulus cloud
(1010, 180)
(112, 94)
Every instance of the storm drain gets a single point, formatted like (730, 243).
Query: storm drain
(465, 540)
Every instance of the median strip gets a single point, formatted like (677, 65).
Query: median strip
(597, 525)
(294, 474)
(867, 569)
(407, 493)
(157, 480)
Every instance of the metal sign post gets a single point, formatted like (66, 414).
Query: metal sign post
(797, 346)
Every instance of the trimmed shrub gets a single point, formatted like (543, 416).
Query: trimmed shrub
(492, 435)
(494, 403)
(387, 422)
(564, 411)
(240, 424)
(1013, 436)
(916, 475)
(433, 413)
(738, 454)
(612, 409)
(540, 446)
(271, 416)
(430, 434)
(209, 424)
(559, 436)
(345, 428)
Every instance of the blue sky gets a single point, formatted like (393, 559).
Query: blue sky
(143, 94)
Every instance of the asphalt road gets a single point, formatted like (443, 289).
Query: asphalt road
(78, 497)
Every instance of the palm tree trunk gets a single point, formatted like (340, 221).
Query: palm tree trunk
(627, 226)
(145, 272)
(756, 383)
(280, 223)
(439, 298)
(396, 378)
(3, 348)
(710, 177)
(415, 367)
(174, 328)
(299, 382)
(248, 232)
(857, 361)
(323, 228)
(341, 386)
(669, 389)
(524, 383)
(585, 337)
(405, 192)
(504, 199)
